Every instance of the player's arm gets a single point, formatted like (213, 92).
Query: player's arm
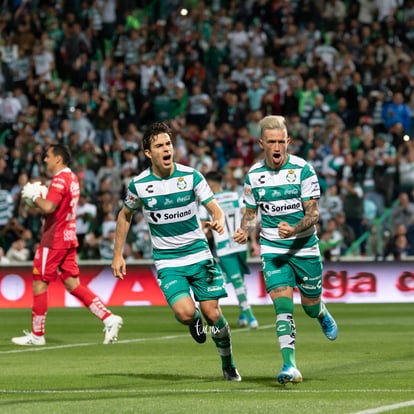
(247, 225)
(122, 227)
(218, 220)
(310, 218)
(46, 206)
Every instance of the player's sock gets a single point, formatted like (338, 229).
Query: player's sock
(220, 333)
(315, 311)
(285, 329)
(91, 301)
(240, 290)
(39, 311)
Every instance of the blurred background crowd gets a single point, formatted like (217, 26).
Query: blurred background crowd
(94, 73)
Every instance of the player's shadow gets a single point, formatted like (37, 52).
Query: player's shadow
(264, 381)
(155, 376)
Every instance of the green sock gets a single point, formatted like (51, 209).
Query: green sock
(315, 311)
(220, 333)
(285, 329)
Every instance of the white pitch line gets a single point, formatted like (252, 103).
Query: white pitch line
(209, 390)
(123, 341)
(386, 408)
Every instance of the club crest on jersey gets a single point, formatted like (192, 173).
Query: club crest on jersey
(291, 176)
(181, 183)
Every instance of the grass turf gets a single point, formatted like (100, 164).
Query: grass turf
(157, 368)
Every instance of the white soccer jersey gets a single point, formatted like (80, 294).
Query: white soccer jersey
(279, 196)
(232, 205)
(170, 207)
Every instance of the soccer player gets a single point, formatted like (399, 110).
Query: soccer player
(232, 256)
(169, 194)
(285, 189)
(56, 254)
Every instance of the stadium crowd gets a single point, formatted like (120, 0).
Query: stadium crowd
(94, 73)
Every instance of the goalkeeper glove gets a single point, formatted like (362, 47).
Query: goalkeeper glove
(31, 192)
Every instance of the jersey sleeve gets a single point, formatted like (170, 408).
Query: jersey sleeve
(249, 200)
(202, 189)
(132, 200)
(310, 188)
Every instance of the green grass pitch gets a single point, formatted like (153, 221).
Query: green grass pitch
(157, 368)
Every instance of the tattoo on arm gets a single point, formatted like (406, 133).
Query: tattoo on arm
(311, 216)
(248, 222)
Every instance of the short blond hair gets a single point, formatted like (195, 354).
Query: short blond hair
(272, 122)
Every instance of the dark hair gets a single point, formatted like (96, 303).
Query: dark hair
(153, 130)
(63, 151)
(215, 176)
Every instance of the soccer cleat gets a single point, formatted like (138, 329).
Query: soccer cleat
(289, 374)
(113, 324)
(230, 373)
(242, 322)
(253, 324)
(329, 326)
(197, 330)
(29, 339)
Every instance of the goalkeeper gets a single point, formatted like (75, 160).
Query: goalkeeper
(232, 256)
(56, 255)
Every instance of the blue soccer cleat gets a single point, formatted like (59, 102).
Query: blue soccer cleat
(329, 326)
(289, 374)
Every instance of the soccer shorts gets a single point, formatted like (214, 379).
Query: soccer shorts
(48, 264)
(205, 280)
(289, 270)
(234, 265)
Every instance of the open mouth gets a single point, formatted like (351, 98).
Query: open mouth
(277, 158)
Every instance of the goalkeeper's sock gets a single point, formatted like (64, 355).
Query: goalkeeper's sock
(39, 311)
(91, 301)
(220, 333)
(285, 329)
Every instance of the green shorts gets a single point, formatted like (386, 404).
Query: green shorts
(288, 270)
(205, 280)
(234, 265)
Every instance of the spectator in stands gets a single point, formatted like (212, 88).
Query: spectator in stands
(81, 125)
(3, 259)
(330, 204)
(397, 111)
(331, 241)
(347, 232)
(398, 245)
(406, 166)
(199, 107)
(18, 252)
(403, 211)
(85, 221)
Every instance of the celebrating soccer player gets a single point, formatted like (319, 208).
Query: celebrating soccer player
(286, 190)
(168, 193)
